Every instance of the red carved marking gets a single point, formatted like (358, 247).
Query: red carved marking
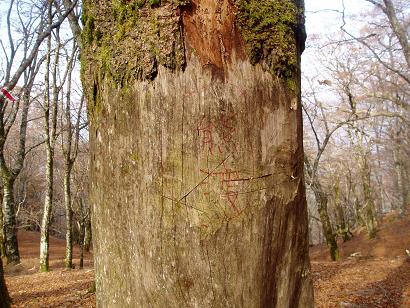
(232, 197)
(206, 128)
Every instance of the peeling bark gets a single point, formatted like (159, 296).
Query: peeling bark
(197, 186)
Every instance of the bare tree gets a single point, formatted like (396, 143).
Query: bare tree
(35, 29)
(70, 140)
(312, 166)
(399, 27)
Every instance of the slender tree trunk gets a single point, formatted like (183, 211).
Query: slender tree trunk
(358, 211)
(69, 217)
(48, 205)
(2, 237)
(405, 186)
(4, 294)
(398, 167)
(81, 231)
(50, 127)
(328, 232)
(197, 157)
(9, 220)
(343, 226)
(82, 251)
(88, 235)
(368, 211)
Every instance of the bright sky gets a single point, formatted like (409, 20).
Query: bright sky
(322, 18)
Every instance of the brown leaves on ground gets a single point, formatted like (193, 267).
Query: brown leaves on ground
(379, 276)
(59, 287)
(362, 283)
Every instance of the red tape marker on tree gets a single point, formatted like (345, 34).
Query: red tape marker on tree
(7, 94)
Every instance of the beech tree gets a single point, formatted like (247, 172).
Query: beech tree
(4, 295)
(54, 84)
(69, 140)
(197, 185)
(21, 59)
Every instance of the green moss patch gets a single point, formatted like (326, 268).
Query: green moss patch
(268, 28)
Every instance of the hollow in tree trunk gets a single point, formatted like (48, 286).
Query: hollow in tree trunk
(197, 185)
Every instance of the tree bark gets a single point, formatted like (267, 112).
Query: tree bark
(328, 232)
(4, 294)
(9, 220)
(48, 205)
(68, 217)
(401, 179)
(368, 210)
(88, 234)
(197, 185)
(50, 129)
(343, 226)
(2, 237)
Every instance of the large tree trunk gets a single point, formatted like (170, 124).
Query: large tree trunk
(9, 220)
(197, 183)
(4, 295)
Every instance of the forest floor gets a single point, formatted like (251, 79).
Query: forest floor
(378, 276)
(59, 287)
